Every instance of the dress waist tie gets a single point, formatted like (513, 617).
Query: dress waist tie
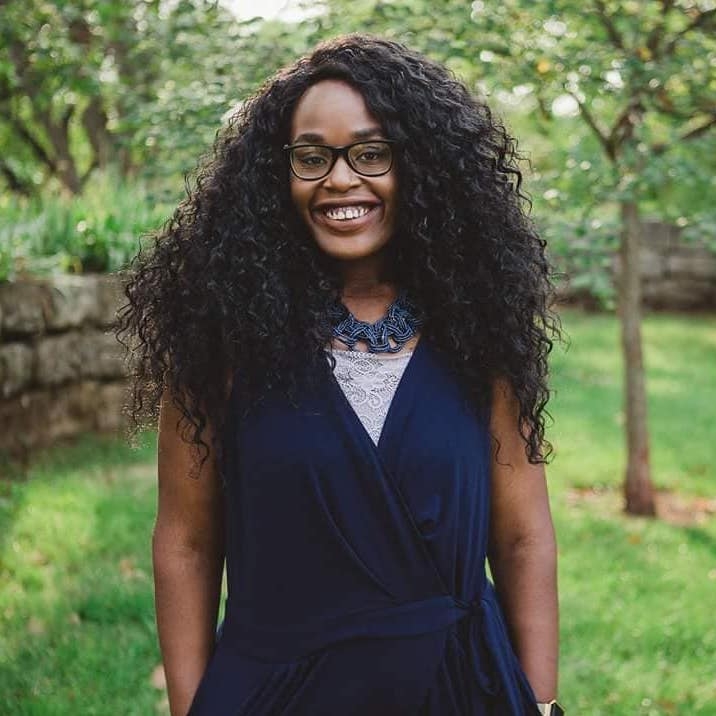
(492, 662)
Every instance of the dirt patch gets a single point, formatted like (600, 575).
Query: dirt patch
(671, 507)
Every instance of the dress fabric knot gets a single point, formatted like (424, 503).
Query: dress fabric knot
(479, 653)
(473, 607)
(492, 661)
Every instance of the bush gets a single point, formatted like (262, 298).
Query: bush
(98, 232)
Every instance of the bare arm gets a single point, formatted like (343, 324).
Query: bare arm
(188, 557)
(523, 552)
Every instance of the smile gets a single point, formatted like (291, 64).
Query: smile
(346, 218)
(346, 213)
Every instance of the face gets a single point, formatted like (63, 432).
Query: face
(351, 217)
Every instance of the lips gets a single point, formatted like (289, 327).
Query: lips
(345, 215)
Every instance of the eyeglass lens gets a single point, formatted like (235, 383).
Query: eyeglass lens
(316, 161)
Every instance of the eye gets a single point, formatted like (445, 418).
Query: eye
(311, 156)
(313, 160)
(371, 153)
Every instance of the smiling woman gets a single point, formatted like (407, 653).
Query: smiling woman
(345, 329)
(351, 212)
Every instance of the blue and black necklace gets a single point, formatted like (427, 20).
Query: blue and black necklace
(387, 335)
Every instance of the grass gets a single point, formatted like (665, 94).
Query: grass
(638, 635)
(76, 623)
(637, 595)
(680, 357)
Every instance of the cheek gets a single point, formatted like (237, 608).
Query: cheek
(388, 188)
(389, 195)
(299, 195)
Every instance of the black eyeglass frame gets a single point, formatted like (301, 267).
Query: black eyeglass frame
(337, 152)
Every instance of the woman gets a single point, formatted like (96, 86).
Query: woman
(346, 328)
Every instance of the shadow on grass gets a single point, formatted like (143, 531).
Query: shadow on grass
(78, 626)
(88, 452)
(703, 538)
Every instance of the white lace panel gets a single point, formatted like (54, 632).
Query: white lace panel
(369, 381)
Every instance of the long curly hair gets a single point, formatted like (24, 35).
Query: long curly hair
(235, 285)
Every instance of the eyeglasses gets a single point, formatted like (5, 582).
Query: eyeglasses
(316, 161)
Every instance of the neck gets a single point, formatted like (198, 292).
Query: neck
(367, 279)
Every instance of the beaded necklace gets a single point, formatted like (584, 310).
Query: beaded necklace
(387, 335)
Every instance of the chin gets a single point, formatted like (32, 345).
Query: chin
(351, 248)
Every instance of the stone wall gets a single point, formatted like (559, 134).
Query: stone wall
(61, 369)
(676, 276)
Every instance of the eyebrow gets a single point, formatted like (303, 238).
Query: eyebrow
(368, 133)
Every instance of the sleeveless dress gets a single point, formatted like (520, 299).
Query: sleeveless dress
(356, 572)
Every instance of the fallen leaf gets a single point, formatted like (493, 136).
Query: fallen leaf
(126, 567)
(35, 626)
(158, 677)
(37, 558)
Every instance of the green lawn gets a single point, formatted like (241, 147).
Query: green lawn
(76, 624)
(639, 637)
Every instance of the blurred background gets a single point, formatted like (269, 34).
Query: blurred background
(105, 107)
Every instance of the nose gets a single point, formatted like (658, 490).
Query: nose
(341, 177)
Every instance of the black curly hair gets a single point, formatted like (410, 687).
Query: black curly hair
(234, 283)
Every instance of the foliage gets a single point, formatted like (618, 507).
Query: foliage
(638, 634)
(86, 84)
(98, 232)
(612, 99)
(163, 75)
(613, 62)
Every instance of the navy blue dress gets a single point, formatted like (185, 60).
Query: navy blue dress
(356, 572)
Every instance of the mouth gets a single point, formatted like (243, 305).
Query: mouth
(345, 217)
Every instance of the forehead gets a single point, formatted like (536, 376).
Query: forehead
(333, 110)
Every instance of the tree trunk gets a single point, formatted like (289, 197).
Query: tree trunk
(638, 488)
(58, 132)
(14, 181)
(94, 120)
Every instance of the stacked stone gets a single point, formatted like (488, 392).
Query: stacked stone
(62, 371)
(675, 275)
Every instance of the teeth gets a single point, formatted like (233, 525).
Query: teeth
(343, 213)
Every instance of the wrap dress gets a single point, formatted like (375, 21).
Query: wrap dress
(356, 573)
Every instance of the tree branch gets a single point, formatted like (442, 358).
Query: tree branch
(93, 165)
(686, 136)
(24, 133)
(609, 26)
(664, 104)
(624, 126)
(655, 36)
(16, 184)
(592, 124)
(66, 117)
(703, 18)
(698, 131)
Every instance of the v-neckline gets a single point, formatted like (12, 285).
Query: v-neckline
(398, 398)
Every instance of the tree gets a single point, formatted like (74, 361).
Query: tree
(53, 58)
(85, 84)
(639, 75)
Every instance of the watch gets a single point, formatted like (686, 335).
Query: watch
(550, 708)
